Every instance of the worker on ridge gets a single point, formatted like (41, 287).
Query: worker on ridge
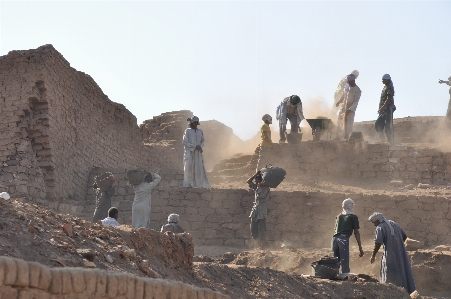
(259, 209)
(266, 143)
(387, 106)
(289, 109)
(350, 100)
(338, 106)
(111, 220)
(346, 223)
(448, 112)
(195, 175)
(395, 263)
(143, 200)
(172, 225)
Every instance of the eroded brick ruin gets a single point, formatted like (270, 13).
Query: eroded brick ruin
(58, 130)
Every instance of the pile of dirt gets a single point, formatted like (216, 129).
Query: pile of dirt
(431, 267)
(58, 241)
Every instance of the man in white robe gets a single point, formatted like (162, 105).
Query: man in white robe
(195, 175)
(142, 201)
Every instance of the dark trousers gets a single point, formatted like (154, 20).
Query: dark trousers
(340, 249)
(258, 229)
(293, 118)
(385, 123)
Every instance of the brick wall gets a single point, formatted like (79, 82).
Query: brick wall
(56, 124)
(221, 216)
(412, 164)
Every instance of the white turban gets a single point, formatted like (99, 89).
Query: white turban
(348, 206)
(449, 78)
(381, 218)
(193, 119)
(267, 117)
(355, 73)
(386, 76)
(173, 218)
(5, 195)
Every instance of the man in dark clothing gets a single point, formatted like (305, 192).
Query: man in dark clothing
(172, 226)
(259, 210)
(386, 109)
(346, 223)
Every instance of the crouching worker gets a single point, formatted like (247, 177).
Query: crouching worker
(172, 225)
(259, 210)
(111, 220)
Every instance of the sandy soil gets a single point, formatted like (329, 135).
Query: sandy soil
(35, 234)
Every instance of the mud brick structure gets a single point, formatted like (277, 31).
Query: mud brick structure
(418, 129)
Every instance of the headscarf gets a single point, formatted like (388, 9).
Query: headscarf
(381, 218)
(193, 119)
(348, 207)
(173, 218)
(386, 76)
(355, 73)
(267, 117)
(5, 195)
(294, 99)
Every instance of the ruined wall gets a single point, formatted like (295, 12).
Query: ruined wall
(221, 216)
(412, 164)
(418, 129)
(21, 279)
(57, 124)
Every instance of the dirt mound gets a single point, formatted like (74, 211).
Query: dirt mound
(249, 282)
(35, 234)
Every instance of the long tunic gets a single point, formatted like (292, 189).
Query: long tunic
(195, 175)
(142, 202)
(259, 209)
(103, 204)
(395, 263)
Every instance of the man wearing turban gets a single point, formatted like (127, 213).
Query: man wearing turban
(195, 175)
(350, 99)
(448, 112)
(172, 225)
(387, 106)
(395, 263)
(346, 223)
(290, 109)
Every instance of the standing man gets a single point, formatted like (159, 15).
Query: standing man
(143, 200)
(386, 109)
(346, 223)
(351, 97)
(266, 144)
(342, 87)
(104, 189)
(259, 210)
(395, 263)
(195, 175)
(448, 112)
(289, 109)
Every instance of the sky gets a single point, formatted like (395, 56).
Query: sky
(234, 61)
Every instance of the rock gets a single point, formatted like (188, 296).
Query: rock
(31, 229)
(424, 186)
(396, 183)
(146, 269)
(109, 259)
(227, 258)
(409, 187)
(413, 245)
(131, 253)
(88, 264)
(415, 295)
(88, 254)
(443, 248)
(67, 228)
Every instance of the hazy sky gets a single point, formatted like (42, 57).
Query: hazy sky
(234, 61)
